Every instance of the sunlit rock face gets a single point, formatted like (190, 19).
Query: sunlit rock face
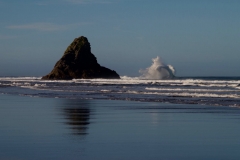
(78, 62)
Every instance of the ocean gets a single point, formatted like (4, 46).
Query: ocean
(217, 91)
(131, 118)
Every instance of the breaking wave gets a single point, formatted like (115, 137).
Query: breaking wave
(158, 70)
(206, 91)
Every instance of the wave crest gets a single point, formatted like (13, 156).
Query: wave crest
(158, 70)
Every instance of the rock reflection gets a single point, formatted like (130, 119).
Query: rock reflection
(77, 115)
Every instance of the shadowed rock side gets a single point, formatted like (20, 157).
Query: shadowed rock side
(79, 62)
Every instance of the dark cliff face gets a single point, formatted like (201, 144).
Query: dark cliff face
(79, 62)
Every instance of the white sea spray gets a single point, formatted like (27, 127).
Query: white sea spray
(158, 70)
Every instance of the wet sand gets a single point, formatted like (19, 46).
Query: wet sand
(50, 128)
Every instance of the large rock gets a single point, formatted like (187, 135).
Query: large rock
(79, 62)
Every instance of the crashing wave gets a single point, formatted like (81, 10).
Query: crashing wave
(158, 70)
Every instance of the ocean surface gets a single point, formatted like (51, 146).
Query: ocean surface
(217, 91)
(131, 119)
(59, 129)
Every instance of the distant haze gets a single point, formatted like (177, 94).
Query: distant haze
(198, 38)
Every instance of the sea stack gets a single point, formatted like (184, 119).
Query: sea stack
(78, 62)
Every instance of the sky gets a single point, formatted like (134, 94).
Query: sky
(197, 37)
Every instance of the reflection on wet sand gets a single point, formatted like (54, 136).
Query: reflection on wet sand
(77, 115)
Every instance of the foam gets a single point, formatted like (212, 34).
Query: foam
(190, 90)
(214, 92)
(186, 94)
(158, 70)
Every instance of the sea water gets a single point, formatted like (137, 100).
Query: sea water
(49, 128)
(120, 119)
(217, 91)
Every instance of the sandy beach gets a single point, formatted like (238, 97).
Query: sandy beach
(51, 128)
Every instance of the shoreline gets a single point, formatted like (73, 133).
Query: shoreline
(217, 92)
(123, 100)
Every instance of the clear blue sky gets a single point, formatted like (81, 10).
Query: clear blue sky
(197, 37)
